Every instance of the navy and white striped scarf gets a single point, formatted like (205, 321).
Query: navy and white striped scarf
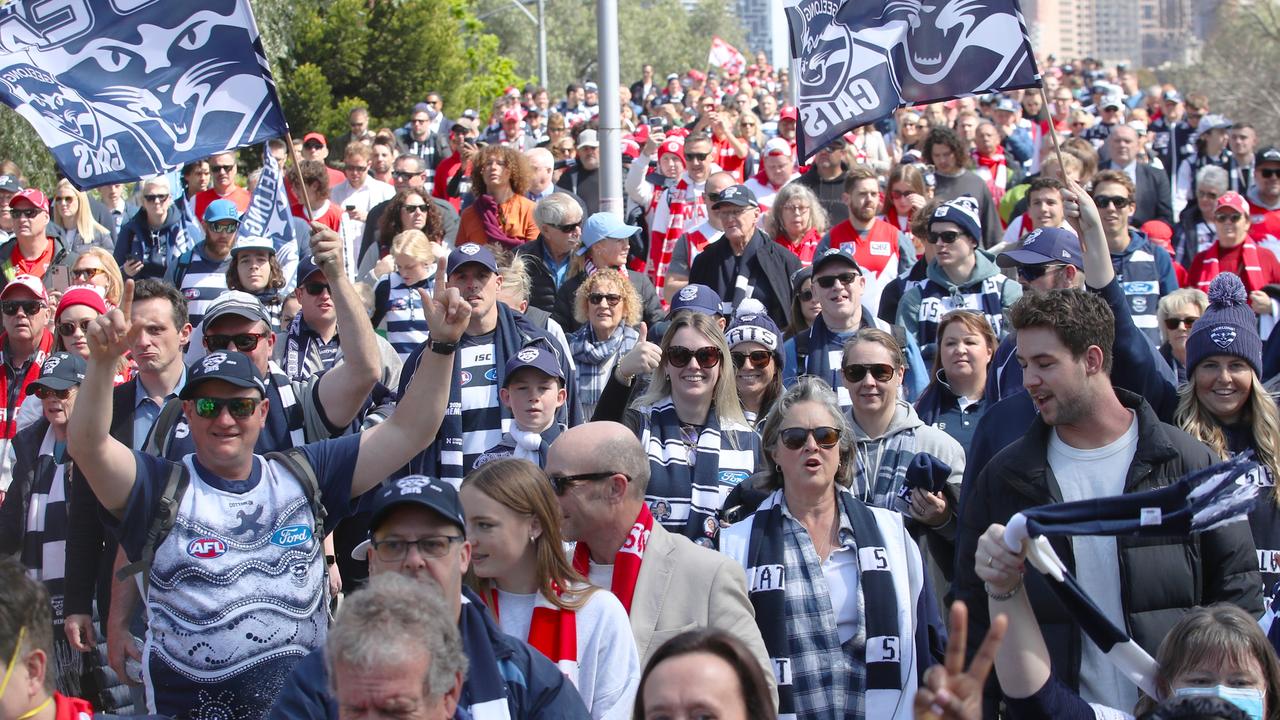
(882, 467)
(302, 358)
(484, 693)
(596, 358)
(1212, 497)
(687, 485)
(779, 601)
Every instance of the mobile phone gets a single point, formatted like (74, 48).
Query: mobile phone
(350, 208)
(657, 122)
(59, 278)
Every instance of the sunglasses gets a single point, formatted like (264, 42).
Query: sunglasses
(806, 296)
(1228, 218)
(796, 437)
(315, 288)
(855, 373)
(1118, 202)
(23, 212)
(312, 145)
(1031, 273)
(757, 358)
(946, 237)
(67, 199)
(1174, 323)
(223, 168)
(228, 226)
(45, 393)
(707, 357)
(87, 274)
(28, 307)
(244, 342)
(826, 282)
(1269, 173)
(415, 208)
(68, 328)
(402, 175)
(358, 168)
(560, 484)
(156, 197)
(240, 407)
(598, 298)
(568, 227)
(696, 157)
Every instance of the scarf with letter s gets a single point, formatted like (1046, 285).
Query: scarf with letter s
(1250, 270)
(553, 631)
(626, 563)
(1204, 500)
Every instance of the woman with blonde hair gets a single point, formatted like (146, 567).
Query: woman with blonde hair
(519, 568)
(96, 266)
(397, 309)
(797, 221)
(609, 308)
(73, 221)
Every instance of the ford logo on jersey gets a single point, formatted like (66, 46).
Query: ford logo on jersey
(732, 477)
(206, 548)
(291, 535)
(1140, 287)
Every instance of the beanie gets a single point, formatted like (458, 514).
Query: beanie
(1228, 326)
(750, 325)
(962, 211)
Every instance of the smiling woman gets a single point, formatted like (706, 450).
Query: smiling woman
(609, 307)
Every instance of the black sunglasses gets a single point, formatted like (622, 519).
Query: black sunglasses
(1174, 323)
(854, 373)
(611, 298)
(1031, 273)
(826, 282)
(402, 175)
(696, 157)
(757, 358)
(244, 342)
(240, 407)
(946, 237)
(414, 208)
(156, 197)
(568, 227)
(806, 296)
(1118, 202)
(23, 212)
(795, 438)
(67, 328)
(1269, 172)
(560, 484)
(315, 288)
(222, 168)
(28, 307)
(707, 357)
(312, 145)
(45, 393)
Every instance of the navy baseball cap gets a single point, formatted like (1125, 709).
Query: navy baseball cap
(431, 493)
(228, 366)
(739, 195)
(1270, 153)
(843, 253)
(698, 298)
(306, 268)
(1044, 245)
(9, 183)
(60, 371)
(471, 253)
(538, 358)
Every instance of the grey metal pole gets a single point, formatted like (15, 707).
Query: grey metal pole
(610, 112)
(542, 42)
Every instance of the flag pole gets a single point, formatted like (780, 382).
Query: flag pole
(302, 185)
(1053, 132)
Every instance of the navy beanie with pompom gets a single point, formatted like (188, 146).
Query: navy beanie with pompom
(1228, 326)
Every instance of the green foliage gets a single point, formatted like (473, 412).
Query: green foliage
(23, 146)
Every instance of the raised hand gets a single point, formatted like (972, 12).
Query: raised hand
(326, 250)
(446, 312)
(950, 692)
(643, 358)
(1079, 209)
(110, 336)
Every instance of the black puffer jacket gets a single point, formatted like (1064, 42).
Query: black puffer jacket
(1160, 578)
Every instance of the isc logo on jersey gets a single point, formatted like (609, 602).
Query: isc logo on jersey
(206, 548)
(291, 535)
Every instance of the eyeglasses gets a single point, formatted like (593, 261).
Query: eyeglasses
(68, 328)
(402, 175)
(45, 393)
(414, 208)
(1174, 323)
(23, 212)
(28, 307)
(68, 199)
(795, 438)
(854, 373)
(901, 194)
(757, 358)
(946, 237)
(561, 483)
(1118, 202)
(707, 357)
(826, 282)
(358, 168)
(157, 197)
(598, 298)
(226, 226)
(315, 288)
(1269, 173)
(87, 274)
(432, 546)
(806, 296)
(569, 227)
(244, 342)
(796, 209)
(1031, 273)
(696, 157)
(239, 407)
(1228, 218)
(222, 168)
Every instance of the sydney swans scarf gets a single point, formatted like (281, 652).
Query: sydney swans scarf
(626, 563)
(1250, 270)
(994, 170)
(674, 207)
(553, 631)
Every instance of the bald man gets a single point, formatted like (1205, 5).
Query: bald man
(1152, 200)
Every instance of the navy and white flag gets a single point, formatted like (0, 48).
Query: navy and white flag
(124, 89)
(856, 61)
(268, 214)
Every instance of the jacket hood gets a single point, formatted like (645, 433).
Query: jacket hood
(1256, 202)
(983, 268)
(904, 418)
(1137, 241)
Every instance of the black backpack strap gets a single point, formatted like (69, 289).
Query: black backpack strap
(175, 486)
(158, 442)
(296, 460)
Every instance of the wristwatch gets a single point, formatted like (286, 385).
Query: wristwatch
(330, 560)
(441, 348)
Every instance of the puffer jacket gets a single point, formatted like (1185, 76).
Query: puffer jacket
(157, 248)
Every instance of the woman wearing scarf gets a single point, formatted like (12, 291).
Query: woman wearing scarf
(1224, 405)
(1235, 252)
(609, 308)
(953, 401)
(500, 213)
(755, 345)
(519, 568)
(796, 221)
(849, 623)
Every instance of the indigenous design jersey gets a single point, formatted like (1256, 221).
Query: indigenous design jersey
(238, 595)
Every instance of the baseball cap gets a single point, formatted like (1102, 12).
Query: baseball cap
(1173, 96)
(30, 195)
(1044, 245)
(87, 295)
(1234, 201)
(431, 493)
(59, 371)
(538, 358)
(471, 253)
(777, 147)
(1213, 122)
(1270, 153)
(591, 87)
(254, 242)
(513, 114)
(788, 113)
(588, 138)
(739, 195)
(698, 298)
(235, 302)
(420, 107)
(306, 268)
(462, 125)
(1006, 104)
(1112, 101)
(9, 183)
(220, 211)
(843, 253)
(604, 225)
(316, 137)
(30, 282)
(228, 366)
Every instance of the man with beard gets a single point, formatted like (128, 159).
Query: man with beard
(584, 179)
(875, 244)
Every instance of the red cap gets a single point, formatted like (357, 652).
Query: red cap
(1228, 200)
(87, 295)
(315, 136)
(31, 195)
(672, 146)
(630, 148)
(513, 114)
(788, 113)
(1157, 230)
(697, 75)
(30, 282)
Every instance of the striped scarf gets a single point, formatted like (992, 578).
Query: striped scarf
(302, 358)
(1250, 270)
(1204, 500)
(672, 208)
(627, 561)
(595, 360)
(802, 652)
(882, 466)
(484, 694)
(9, 419)
(553, 631)
(690, 477)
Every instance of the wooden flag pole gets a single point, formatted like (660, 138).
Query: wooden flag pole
(1053, 132)
(302, 184)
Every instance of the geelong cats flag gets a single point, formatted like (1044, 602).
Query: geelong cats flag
(856, 61)
(124, 89)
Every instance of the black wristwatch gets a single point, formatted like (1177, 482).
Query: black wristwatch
(441, 348)
(330, 560)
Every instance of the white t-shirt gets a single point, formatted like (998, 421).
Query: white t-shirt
(601, 575)
(1083, 475)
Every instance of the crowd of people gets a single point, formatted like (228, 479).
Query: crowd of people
(461, 445)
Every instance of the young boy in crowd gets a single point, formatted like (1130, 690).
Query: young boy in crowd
(533, 391)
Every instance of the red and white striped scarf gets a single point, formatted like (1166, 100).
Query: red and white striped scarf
(1250, 273)
(553, 631)
(993, 169)
(626, 563)
(9, 415)
(671, 210)
(891, 216)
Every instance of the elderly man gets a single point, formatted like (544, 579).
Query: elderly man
(1152, 199)
(666, 582)
(546, 259)
(25, 344)
(32, 251)
(583, 179)
(746, 263)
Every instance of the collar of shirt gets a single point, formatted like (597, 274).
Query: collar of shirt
(844, 534)
(140, 394)
(305, 329)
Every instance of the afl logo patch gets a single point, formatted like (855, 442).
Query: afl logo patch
(464, 377)
(206, 548)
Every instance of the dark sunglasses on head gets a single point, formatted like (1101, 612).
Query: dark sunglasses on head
(1269, 172)
(795, 438)
(597, 298)
(1118, 202)
(696, 157)
(225, 226)
(244, 342)
(28, 307)
(315, 288)
(156, 197)
(946, 237)
(826, 282)
(560, 484)
(757, 358)
(1031, 273)
(240, 407)
(45, 393)
(222, 168)
(568, 227)
(23, 212)
(67, 328)
(707, 357)
(1174, 323)
(881, 372)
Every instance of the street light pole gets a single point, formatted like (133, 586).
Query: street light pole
(610, 112)
(542, 43)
